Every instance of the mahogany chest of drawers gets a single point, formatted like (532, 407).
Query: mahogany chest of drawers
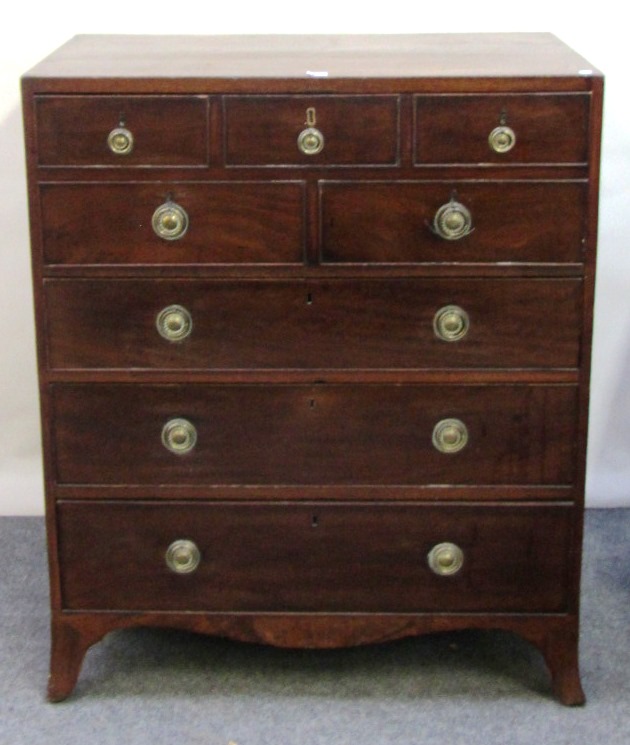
(313, 321)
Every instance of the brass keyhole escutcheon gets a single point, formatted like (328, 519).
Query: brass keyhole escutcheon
(310, 140)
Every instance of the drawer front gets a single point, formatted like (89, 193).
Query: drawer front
(353, 130)
(464, 129)
(394, 222)
(165, 130)
(321, 558)
(334, 324)
(314, 434)
(224, 223)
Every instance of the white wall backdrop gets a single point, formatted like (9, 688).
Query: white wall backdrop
(36, 30)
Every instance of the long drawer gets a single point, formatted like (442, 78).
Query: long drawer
(173, 223)
(313, 324)
(313, 434)
(323, 558)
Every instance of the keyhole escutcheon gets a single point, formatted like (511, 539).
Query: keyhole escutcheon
(311, 117)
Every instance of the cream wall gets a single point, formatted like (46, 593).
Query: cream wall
(33, 31)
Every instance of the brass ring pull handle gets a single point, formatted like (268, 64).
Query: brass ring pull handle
(310, 141)
(502, 139)
(445, 559)
(450, 436)
(451, 323)
(170, 221)
(179, 436)
(120, 141)
(452, 221)
(182, 556)
(174, 323)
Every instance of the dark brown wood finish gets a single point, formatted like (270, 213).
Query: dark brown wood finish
(167, 130)
(455, 129)
(555, 635)
(313, 373)
(358, 130)
(115, 557)
(229, 223)
(319, 434)
(484, 61)
(346, 493)
(313, 324)
(512, 222)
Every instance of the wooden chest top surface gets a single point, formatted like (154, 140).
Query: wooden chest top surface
(303, 57)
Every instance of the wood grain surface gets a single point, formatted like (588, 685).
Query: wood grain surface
(314, 325)
(299, 558)
(314, 434)
(313, 374)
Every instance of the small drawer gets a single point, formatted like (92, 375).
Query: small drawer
(311, 130)
(494, 129)
(320, 434)
(122, 130)
(336, 558)
(315, 324)
(416, 222)
(173, 223)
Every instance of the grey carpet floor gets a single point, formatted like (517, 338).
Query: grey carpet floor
(469, 688)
